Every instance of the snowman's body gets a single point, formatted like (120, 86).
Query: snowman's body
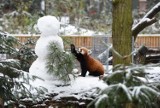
(49, 27)
(41, 49)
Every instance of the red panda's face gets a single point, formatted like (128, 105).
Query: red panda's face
(84, 51)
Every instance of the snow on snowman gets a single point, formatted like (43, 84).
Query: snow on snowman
(49, 27)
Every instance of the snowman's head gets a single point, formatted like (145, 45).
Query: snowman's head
(48, 25)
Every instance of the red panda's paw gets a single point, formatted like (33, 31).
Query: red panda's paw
(81, 76)
(101, 77)
(75, 71)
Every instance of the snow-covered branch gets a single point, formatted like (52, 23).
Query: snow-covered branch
(147, 20)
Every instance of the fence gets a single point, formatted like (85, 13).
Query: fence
(149, 40)
(91, 42)
(95, 42)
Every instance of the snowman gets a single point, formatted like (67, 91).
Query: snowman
(49, 27)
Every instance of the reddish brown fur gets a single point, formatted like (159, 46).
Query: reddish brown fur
(93, 66)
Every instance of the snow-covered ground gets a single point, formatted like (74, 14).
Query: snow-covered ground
(79, 85)
(153, 73)
(84, 84)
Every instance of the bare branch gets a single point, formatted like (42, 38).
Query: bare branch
(141, 25)
(153, 11)
(147, 20)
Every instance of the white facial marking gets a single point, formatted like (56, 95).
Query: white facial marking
(81, 51)
(89, 52)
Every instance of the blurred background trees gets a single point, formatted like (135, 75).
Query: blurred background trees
(15, 16)
(14, 66)
(19, 16)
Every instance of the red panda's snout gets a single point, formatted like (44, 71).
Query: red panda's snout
(83, 51)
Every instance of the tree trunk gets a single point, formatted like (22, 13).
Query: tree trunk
(121, 30)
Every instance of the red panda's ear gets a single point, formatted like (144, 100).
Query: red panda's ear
(89, 52)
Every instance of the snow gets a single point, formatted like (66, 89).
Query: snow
(149, 17)
(126, 91)
(80, 85)
(154, 8)
(3, 56)
(49, 27)
(103, 97)
(153, 70)
(141, 21)
(137, 91)
(42, 45)
(88, 84)
(43, 5)
(154, 74)
(70, 30)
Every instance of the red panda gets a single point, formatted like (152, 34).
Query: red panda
(87, 62)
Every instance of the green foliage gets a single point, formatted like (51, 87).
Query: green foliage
(17, 22)
(68, 7)
(24, 51)
(9, 68)
(26, 54)
(16, 18)
(59, 63)
(127, 84)
(22, 14)
(7, 43)
(89, 14)
(14, 82)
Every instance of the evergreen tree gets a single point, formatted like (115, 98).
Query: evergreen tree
(26, 54)
(60, 64)
(128, 87)
(11, 47)
(14, 82)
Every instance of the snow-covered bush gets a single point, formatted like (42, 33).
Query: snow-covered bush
(7, 43)
(127, 86)
(14, 82)
(17, 22)
(60, 63)
(11, 47)
(26, 54)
